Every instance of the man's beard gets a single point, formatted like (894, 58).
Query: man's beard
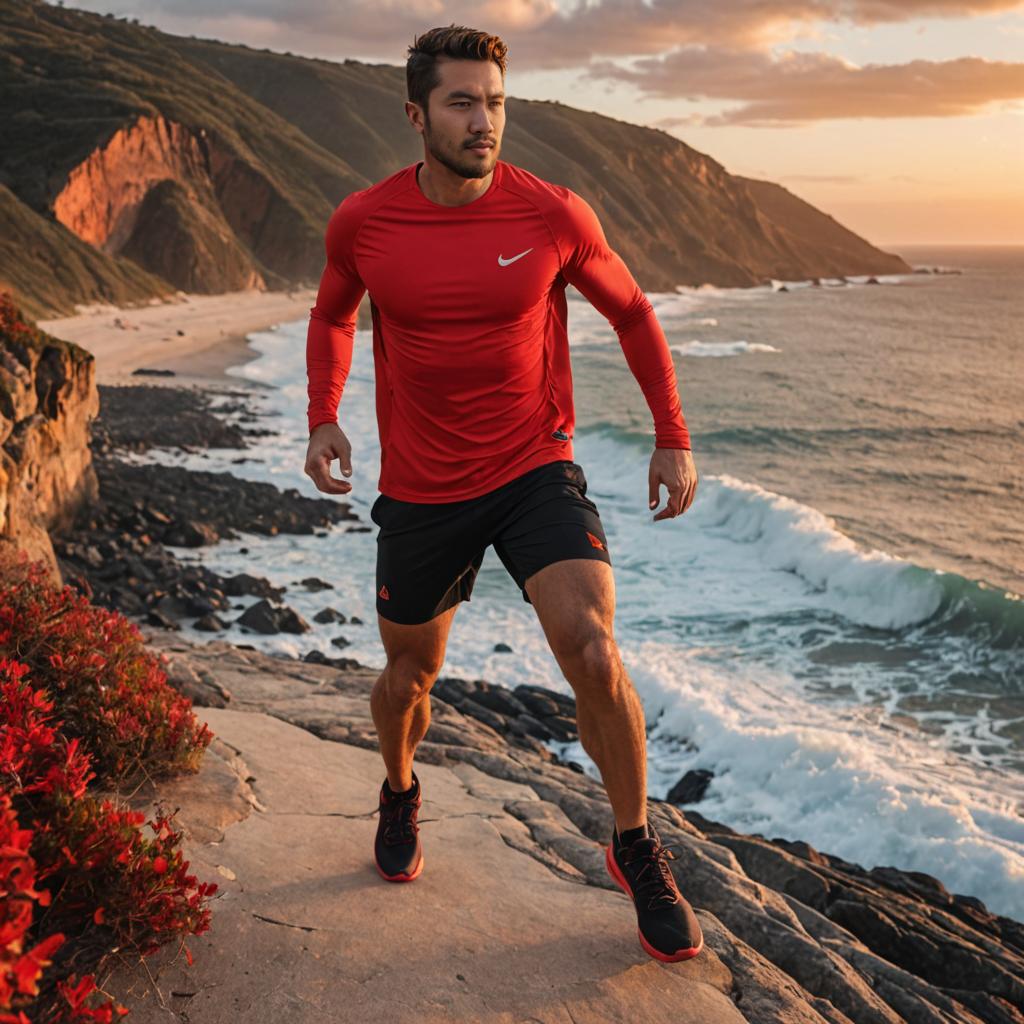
(460, 163)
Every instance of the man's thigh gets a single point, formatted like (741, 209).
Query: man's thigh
(547, 520)
(428, 556)
(575, 603)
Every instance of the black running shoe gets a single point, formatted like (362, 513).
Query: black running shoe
(396, 849)
(667, 926)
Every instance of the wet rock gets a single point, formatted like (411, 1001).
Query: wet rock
(244, 584)
(561, 727)
(313, 583)
(191, 534)
(328, 615)
(319, 658)
(484, 714)
(139, 416)
(268, 618)
(199, 605)
(210, 624)
(172, 606)
(526, 725)
(690, 789)
(498, 698)
(157, 618)
(543, 702)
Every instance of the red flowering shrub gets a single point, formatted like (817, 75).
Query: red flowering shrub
(20, 968)
(110, 689)
(12, 324)
(106, 885)
(98, 883)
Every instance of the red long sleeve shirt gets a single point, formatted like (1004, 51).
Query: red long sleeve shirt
(470, 343)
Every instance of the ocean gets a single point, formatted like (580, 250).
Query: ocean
(835, 628)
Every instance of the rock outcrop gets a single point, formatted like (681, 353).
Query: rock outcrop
(51, 270)
(153, 193)
(515, 917)
(48, 399)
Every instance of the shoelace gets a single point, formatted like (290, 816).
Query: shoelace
(659, 886)
(401, 826)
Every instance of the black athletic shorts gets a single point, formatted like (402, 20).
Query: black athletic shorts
(428, 554)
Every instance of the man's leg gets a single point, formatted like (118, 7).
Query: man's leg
(400, 700)
(575, 602)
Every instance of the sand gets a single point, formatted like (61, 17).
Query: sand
(213, 334)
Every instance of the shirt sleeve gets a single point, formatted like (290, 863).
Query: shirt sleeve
(599, 273)
(332, 320)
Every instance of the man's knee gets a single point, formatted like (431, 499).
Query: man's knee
(409, 678)
(591, 663)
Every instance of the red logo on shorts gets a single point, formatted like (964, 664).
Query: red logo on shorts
(595, 541)
(384, 593)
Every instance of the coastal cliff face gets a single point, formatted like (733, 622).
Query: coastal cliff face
(48, 399)
(151, 192)
(102, 195)
(204, 166)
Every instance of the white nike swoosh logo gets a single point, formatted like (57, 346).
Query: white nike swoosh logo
(505, 263)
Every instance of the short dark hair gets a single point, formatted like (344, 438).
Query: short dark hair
(456, 41)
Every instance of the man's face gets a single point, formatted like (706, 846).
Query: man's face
(468, 107)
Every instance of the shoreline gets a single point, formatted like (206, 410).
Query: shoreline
(779, 915)
(197, 337)
(220, 354)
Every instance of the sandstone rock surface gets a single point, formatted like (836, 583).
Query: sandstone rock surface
(514, 918)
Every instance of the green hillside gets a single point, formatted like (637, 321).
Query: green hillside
(138, 162)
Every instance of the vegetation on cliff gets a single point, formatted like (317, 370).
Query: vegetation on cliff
(182, 163)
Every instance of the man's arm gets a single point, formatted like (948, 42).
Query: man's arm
(332, 321)
(599, 273)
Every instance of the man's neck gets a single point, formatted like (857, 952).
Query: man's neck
(455, 195)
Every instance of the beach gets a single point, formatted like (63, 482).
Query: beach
(197, 337)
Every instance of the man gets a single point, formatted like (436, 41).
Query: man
(466, 259)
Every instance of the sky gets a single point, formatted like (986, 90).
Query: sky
(903, 119)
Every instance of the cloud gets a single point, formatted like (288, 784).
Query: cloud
(540, 33)
(799, 87)
(679, 121)
(633, 27)
(680, 49)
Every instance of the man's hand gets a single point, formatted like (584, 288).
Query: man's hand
(327, 443)
(674, 468)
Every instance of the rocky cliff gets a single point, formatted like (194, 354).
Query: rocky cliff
(156, 180)
(48, 399)
(184, 163)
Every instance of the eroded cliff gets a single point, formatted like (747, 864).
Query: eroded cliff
(152, 192)
(48, 399)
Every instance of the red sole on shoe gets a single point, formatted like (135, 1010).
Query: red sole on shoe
(402, 876)
(668, 958)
